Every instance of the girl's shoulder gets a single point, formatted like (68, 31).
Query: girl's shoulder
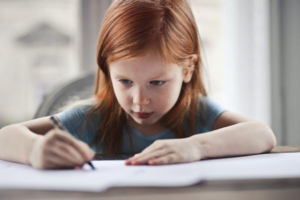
(209, 110)
(209, 103)
(76, 113)
(90, 103)
(79, 107)
(75, 116)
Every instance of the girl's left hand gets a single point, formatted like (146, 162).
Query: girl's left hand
(168, 152)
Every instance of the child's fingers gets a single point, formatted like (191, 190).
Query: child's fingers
(166, 159)
(145, 157)
(56, 161)
(87, 149)
(67, 152)
(61, 135)
(152, 148)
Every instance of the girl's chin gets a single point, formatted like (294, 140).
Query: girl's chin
(147, 121)
(143, 122)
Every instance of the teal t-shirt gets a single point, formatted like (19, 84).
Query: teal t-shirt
(74, 117)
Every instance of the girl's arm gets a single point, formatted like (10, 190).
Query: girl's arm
(232, 135)
(36, 143)
(16, 141)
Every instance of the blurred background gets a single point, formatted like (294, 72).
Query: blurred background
(250, 50)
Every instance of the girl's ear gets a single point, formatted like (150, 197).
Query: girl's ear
(189, 69)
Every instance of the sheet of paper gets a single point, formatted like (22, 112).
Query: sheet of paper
(108, 174)
(262, 166)
(116, 173)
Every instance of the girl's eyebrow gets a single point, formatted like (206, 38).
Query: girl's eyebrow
(156, 77)
(119, 76)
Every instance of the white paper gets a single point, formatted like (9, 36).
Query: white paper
(107, 174)
(262, 166)
(116, 173)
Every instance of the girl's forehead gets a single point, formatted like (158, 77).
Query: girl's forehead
(144, 67)
(141, 65)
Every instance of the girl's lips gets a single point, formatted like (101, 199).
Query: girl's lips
(143, 115)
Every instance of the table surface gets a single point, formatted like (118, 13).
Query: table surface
(233, 189)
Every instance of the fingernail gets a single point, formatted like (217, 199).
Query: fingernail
(127, 161)
(135, 162)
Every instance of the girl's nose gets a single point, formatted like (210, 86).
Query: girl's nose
(141, 99)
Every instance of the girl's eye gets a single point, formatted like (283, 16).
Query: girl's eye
(126, 82)
(157, 82)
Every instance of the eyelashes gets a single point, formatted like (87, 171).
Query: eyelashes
(156, 82)
(126, 82)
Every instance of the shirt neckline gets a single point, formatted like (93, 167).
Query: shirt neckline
(145, 137)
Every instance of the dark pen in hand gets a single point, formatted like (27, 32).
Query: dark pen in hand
(60, 126)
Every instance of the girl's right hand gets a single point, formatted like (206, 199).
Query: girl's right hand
(56, 149)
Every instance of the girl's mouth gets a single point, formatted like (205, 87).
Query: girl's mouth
(143, 115)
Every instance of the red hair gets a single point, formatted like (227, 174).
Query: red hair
(129, 29)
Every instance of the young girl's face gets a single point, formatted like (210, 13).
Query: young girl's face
(145, 88)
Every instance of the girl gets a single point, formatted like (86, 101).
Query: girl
(149, 100)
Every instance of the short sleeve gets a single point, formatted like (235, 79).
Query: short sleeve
(73, 119)
(212, 111)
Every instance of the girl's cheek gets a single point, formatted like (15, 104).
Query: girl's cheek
(121, 95)
(162, 99)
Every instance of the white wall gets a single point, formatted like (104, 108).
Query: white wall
(246, 58)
